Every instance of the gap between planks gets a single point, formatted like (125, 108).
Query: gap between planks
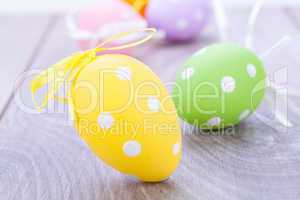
(33, 55)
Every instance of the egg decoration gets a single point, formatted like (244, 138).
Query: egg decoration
(219, 86)
(134, 127)
(179, 20)
(91, 25)
(120, 109)
(138, 5)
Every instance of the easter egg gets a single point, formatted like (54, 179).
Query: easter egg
(180, 20)
(138, 5)
(219, 86)
(93, 24)
(126, 116)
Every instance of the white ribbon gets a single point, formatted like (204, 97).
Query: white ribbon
(103, 32)
(221, 19)
(252, 21)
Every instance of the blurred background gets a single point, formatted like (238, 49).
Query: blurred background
(58, 5)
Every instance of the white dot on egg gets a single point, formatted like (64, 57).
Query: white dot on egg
(187, 73)
(123, 73)
(199, 16)
(176, 148)
(181, 24)
(215, 121)
(244, 114)
(251, 70)
(201, 51)
(127, 15)
(228, 84)
(132, 148)
(105, 120)
(153, 104)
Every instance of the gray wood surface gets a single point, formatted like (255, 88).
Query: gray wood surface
(41, 156)
(21, 36)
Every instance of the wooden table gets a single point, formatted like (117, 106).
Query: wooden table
(42, 157)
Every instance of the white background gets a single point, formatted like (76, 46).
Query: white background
(57, 5)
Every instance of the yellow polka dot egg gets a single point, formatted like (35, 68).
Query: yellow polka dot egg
(126, 116)
(120, 109)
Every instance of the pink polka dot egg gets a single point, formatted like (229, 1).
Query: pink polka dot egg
(93, 24)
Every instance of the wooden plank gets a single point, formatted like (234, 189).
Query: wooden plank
(19, 41)
(43, 158)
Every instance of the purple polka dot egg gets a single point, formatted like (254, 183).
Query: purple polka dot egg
(179, 20)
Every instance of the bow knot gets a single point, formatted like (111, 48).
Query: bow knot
(66, 70)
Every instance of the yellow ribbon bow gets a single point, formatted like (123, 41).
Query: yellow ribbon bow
(67, 69)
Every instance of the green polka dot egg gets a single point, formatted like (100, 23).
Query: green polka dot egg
(219, 86)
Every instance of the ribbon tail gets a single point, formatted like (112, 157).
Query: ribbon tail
(47, 77)
(281, 106)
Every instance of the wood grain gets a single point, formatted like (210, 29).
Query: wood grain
(19, 41)
(41, 156)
